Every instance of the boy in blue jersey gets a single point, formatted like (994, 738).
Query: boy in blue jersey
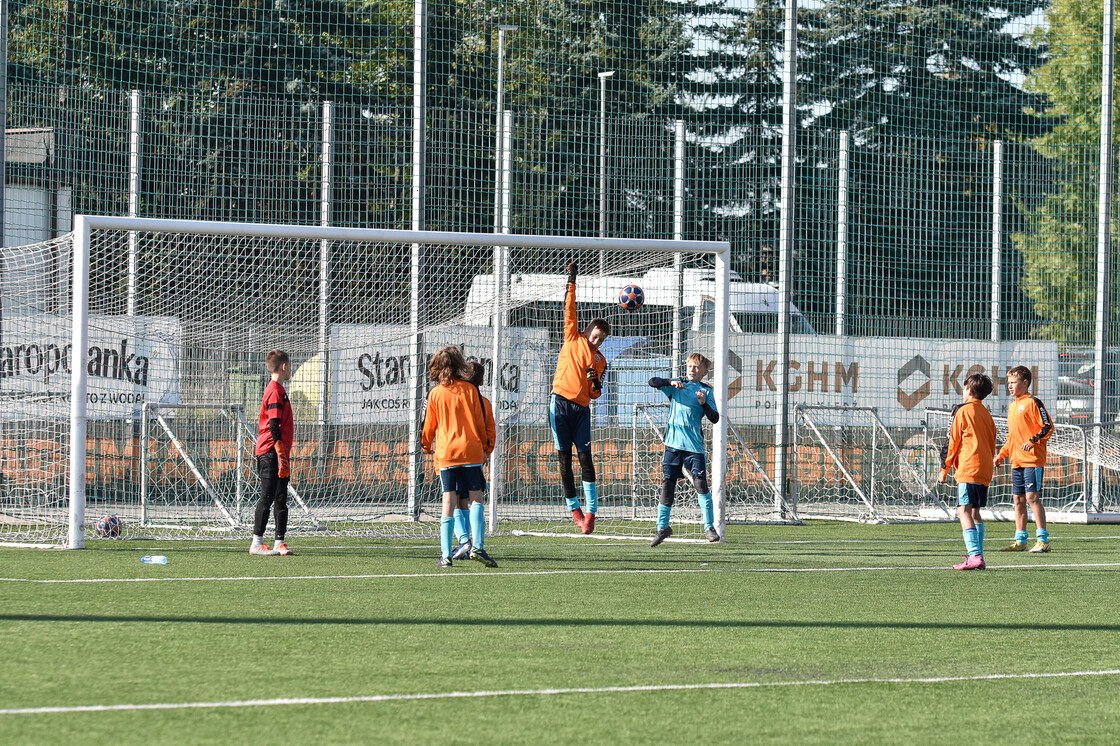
(690, 401)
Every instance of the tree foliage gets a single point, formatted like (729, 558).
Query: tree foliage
(1059, 244)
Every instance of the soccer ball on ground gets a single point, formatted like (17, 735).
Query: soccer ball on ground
(109, 527)
(631, 298)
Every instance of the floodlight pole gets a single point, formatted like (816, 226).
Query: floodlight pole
(499, 125)
(842, 239)
(678, 234)
(997, 236)
(603, 164)
(326, 189)
(1104, 244)
(503, 126)
(135, 102)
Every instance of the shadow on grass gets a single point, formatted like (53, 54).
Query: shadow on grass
(560, 622)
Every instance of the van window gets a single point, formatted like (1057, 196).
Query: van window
(757, 323)
(708, 318)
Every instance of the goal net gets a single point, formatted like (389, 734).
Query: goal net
(175, 318)
(1073, 453)
(850, 466)
(750, 494)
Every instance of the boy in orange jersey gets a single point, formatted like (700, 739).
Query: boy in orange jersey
(454, 429)
(1028, 428)
(578, 380)
(275, 431)
(970, 450)
(470, 517)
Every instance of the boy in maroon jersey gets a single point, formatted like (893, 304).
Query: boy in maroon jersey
(274, 450)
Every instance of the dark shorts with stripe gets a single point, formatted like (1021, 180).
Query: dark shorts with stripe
(570, 423)
(1026, 479)
(461, 479)
(675, 462)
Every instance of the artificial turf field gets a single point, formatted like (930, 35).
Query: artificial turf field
(825, 633)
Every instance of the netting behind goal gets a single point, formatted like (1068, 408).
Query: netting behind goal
(750, 494)
(1071, 454)
(179, 323)
(850, 466)
(34, 392)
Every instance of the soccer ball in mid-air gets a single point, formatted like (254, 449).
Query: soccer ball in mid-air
(109, 527)
(631, 298)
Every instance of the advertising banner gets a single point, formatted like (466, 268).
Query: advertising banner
(130, 360)
(901, 377)
(370, 370)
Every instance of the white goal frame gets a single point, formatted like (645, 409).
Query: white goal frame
(84, 225)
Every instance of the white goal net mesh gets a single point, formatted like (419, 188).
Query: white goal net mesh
(179, 324)
(850, 466)
(1072, 452)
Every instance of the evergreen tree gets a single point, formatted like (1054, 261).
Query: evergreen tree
(924, 91)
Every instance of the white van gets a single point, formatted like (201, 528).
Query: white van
(540, 299)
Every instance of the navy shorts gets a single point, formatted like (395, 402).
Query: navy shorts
(461, 479)
(675, 461)
(1026, 479)
(571, 424)
(971, 494)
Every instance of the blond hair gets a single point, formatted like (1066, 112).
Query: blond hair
(699, 359)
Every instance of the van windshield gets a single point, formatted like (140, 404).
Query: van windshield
(650, 320)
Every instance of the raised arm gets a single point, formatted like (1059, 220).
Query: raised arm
(571, 324)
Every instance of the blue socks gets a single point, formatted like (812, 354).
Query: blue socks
(478, 525)
(446, 535)
(980, 537)
(591, 492)
(706, 509)
(1021, 537)
(1042, 535)
(971, 545)
(573, 503)
(663, 516)
(462, 530)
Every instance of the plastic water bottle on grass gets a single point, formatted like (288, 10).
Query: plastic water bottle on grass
(154, 559)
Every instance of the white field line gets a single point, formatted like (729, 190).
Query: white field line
(178, 546)
(527, 573)
(612, 537)
(289, 701)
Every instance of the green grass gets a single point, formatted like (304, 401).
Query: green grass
(869, 606)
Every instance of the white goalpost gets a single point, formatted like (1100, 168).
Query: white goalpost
(154, 423)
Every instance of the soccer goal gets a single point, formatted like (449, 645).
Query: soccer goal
(152, 422)
(197, 471)
(1082, 476)
(751, 494)
(850, 466)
